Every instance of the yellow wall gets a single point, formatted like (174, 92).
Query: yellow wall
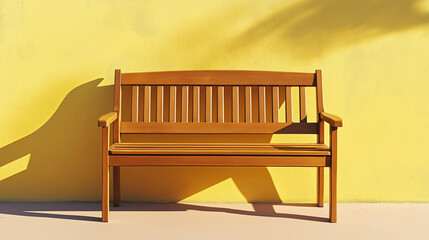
(57, 60)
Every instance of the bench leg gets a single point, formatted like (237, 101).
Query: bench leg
(333, 177)
(320, 185)
(116, 186)
(333, 194)
(105, 177)
(105, 199)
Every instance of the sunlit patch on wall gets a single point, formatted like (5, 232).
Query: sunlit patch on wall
(423, 6)
(227, 187)
(14, 167)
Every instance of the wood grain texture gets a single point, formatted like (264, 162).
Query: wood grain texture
(239, 149)
(107, 119)
(248, 104)
(221, 104)
(302, 105)
(185, 103)
(321, 132)
(196, 104)
(117, 106)
(276, 106)
(306, 146)
(147, 103)
(243, 161)
(116, 186)
(134, 103)
(235, 104)
(117, 97)
(319, 92)
(333, 175)
(320, 185)
(209, 104)
(332, 119)
(262, 105)
(173, 94)
(105, 174)
(288, 102)
(219, 78)
(160, 103)
(320, 137)
(217, 152)
(204, 127)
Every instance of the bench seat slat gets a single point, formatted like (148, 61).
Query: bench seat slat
(218, 152)
(195, 160)
(310, 146)
(212, 149)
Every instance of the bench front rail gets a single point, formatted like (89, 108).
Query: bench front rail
(196, 102)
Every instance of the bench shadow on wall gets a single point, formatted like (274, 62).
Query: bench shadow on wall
(61, 161)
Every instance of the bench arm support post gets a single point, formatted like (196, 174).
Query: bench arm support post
(105, 121)
(334, 122)
(333, 174)
(105, 174)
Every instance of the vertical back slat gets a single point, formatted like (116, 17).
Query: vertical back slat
(276, 104)
(319, 97)
(235, 104)
(302, 105)
(172, 114)
(117, 106)
(147, 103)
(185, 103)
(196, 104)
(248, 103)
(134, 103)
(282, 104)
(288, 100)
(159, 103)
(262, 105)
(319, 100)
(220, 104)
(209, 104)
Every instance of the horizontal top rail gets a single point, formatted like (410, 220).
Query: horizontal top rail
(220, 77)
(267, 128)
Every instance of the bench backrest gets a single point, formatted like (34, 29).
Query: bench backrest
(195, 102)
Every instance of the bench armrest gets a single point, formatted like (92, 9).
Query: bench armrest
(333, 120)
(107, 119)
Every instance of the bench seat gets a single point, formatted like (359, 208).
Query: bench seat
(227, 149)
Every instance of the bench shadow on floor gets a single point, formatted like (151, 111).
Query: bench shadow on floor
(48, 210)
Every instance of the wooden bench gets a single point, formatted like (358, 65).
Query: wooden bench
(254, 107)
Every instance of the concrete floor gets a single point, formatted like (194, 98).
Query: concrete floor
(212, 221)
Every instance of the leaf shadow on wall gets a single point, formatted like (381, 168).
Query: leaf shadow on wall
(307, 29)
(65, 162)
